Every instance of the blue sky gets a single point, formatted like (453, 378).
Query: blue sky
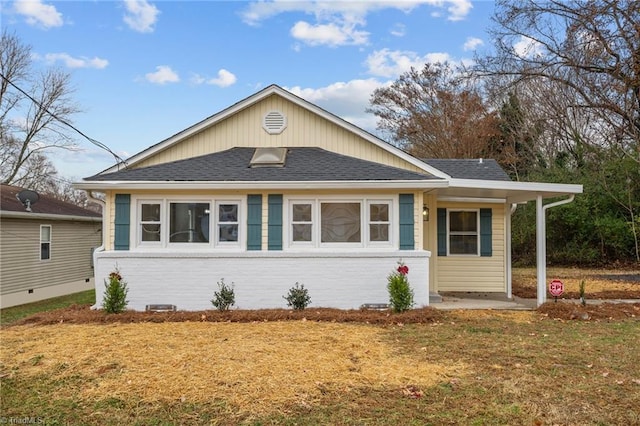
(145, 70)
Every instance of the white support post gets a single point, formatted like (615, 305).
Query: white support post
(541, 244)
(541, 252)
(509, 211)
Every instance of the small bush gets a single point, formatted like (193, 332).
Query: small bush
(298, 297)
(583, 299)
(400, 292)
(114, 299)
(225, 298)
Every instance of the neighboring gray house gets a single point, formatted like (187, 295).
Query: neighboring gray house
(45, 252)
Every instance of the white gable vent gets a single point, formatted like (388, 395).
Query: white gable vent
(274, 122)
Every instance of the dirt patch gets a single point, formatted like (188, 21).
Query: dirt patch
(83, 314)
(573, 311)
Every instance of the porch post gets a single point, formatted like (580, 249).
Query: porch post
(541, 252)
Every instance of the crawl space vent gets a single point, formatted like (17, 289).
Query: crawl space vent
(274, 122)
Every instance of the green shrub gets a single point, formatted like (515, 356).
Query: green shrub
(400, 292)
(298, 297)
(225, 298)
(114, 299)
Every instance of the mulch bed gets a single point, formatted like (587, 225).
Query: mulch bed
(83, 314)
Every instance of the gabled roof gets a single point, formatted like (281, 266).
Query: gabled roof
(252, 100)
(46, 205)
(484, 169)
(302, 164)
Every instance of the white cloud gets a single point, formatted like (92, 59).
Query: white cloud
(392, 63)
(339, 23)
(328, 34)
(472, 43)
(528, 48)
(347, 100)
(38, 13)
(141, 15)
(398, 30)
(72, 62)
(224, 79)
(164, 74)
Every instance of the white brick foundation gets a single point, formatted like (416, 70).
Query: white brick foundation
(344, 280)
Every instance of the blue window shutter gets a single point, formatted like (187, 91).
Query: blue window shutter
(442, 232)
(406, 222)
(122, 221)
(485, 232)
(254, 222)
(275, 222)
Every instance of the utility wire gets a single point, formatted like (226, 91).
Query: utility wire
(97, 143)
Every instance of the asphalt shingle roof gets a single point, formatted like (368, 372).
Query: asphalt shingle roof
(485, 169)
(46, 204)
(301, 164)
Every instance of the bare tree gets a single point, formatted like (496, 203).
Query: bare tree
(33, 107)
(590, 49)
(435, 113)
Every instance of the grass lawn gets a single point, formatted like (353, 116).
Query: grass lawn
(10, 315)
(467, 367)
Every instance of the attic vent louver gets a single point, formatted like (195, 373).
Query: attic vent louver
(274, 122)
(268, 157)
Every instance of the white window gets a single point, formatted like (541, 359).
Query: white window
(463, 232)
(301, 222)
(228, 223)
(45, 242)
(188, 222)
(379, 221)
(150, 225)
(340, 223)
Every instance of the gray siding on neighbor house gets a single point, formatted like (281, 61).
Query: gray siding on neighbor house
(71, 246)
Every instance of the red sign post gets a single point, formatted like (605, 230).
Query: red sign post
(556, 288)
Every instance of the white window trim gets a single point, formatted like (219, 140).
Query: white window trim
(165, 204)
(216, 229)
(288, 219)
(48, 242)
(477, 233)
(138, 222)
(364, 202)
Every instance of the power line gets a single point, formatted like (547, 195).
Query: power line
(66, 123)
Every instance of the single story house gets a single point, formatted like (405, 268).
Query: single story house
(45, 248)
(274, 190)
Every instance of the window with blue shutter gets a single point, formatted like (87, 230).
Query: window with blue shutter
(122, 221)
(254, 222)
(275, 222)
(407, 240)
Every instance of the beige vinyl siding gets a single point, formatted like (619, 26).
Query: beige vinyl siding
(304, 129)
(475, 273)
(110, 205)
(71, 247)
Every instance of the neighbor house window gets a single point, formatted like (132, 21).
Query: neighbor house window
(463, 232)
(318, 223)
(189, 222)
(45, 242)
(150, 222)
(228, 222)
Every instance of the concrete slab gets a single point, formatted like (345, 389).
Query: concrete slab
(451, 301)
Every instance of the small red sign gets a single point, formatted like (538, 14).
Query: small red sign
(556, 288)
